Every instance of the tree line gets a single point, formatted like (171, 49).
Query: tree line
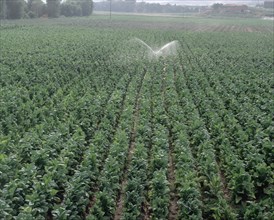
(143, 7)
(16, 9)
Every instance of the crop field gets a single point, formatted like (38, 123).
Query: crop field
(98, 122)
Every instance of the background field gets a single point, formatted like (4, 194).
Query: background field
(91, 128)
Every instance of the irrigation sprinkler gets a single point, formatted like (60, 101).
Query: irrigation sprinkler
(166, 50)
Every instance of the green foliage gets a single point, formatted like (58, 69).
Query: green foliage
(53, 8)
(217, 6)
(70, 9)
(87, 7)
(77, 8)
(87, 122)
(35, 8)
(159, 195)
(3, 9)
(15, 9)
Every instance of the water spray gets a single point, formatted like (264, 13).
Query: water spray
(166, 50)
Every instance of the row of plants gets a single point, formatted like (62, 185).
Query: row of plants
(109, 182)
(91, 128)
(84, 177)
(137, 173)
(76, 202)
(186, 171)
(255, 159)
(208, 171)
(52, 149)
(248, 98)
(223, 121)
(159, 188)
(71, 154)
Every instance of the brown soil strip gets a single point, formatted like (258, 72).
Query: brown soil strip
(146, 211)
(173, 202)
(226, 192)
(120, 203)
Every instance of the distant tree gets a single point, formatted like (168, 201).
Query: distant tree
(130, 5)
(35, 8)
(268, 4)
(217, 6)
(154, 8)
(29, 4)
(140, 7)
(3, 9)
(69, 9)
(39, 7)
(87, 7)
(53, 8)
(77, 8)
(15, 9)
